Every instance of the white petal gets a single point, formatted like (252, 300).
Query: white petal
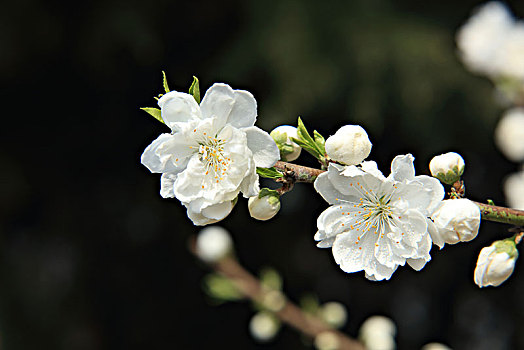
(332, 221)
(199, 219)
(348, 255)
(264, 148)
(402, 168)
(250, 185)
(372, 168)
(434, 233)
(244, 112)
(178, 107)
(326, 243)
(168, 153)
(218, 102)
(218, 211)
(167, 182)
(416, 264)
(326, 189)
(435, 190)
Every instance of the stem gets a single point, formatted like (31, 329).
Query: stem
(291, 314)
(489, 212)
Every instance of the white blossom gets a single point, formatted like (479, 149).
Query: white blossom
(350, 145)
(514, 190)
(327, 341)
(374, 223)
(289, 150)
(447, 167)
(457, 220)
(509, 134)
(263, 326)
(263, 208)
(480, 39)
(212, 153)
(495, 263)
(213, 243)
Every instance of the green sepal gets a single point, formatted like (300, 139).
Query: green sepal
(194, 89)
(164, 81)
(155, 112)
(507, 246)
(267, 192)
(270, 173)
(271, 278)
(220, 289)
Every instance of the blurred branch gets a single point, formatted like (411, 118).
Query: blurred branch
(289, 313)
(489, 212)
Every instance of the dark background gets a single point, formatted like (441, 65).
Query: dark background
(91, 257)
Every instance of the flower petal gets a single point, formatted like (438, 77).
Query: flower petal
(264, 148)
(326, 189)
(167, 182)
(218, 102)
(402, 168)
(168, 153)
(244, 111)
(218, 211)
(178, 107)
(250, 185)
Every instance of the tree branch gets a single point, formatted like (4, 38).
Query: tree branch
(489, 212)
(289, 313)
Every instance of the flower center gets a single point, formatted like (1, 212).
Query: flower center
(212, 155)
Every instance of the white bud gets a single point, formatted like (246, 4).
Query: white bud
(327, 341)
(378, 333)
(509, 134)
(495, 263)
(350, 145)
(447, 167)
(263, 326)
(514, 190)
(435, 346)
(289, 150)
(263, 208)
(334, 314)
(213, 243)
(457, 220)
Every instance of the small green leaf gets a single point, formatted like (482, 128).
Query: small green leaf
(166, 88)
(303, 133)
(311, 148)
(267, 192)
(155, 112)
(194, 89)
(270, 173)
(320, 141)
(490, 202)
(220, 289)
(271, 278)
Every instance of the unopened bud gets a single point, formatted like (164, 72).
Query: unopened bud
(457, 220)
(496, 263)
(263, 326)
(334, 314)
(327, 341)
(264, 206)
(282, 135)
(509, 134)
(447, 167)
(350, 145)
(378, 333)
(213, 243)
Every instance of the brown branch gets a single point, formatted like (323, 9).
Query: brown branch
(289, 313)
(489, 212)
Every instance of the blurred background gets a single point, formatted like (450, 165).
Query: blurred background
(91, 257)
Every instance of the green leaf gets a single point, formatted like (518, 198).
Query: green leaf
(166, 88)
(311, 148)
(220, 288)
(194, 89)
(267, 192)
(270, 173)
(271, 278)
(320, 142)
(155, 112)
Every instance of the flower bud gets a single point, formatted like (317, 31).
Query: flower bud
(509, 134)
(350, 145)
(264, 206)
(435, 346)
(496, 263)
(282, 135)
(457, 220)
(334, 314)
(447, 167)
(213, 243)
(263, 326)
(378, 333)
(327, 341)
